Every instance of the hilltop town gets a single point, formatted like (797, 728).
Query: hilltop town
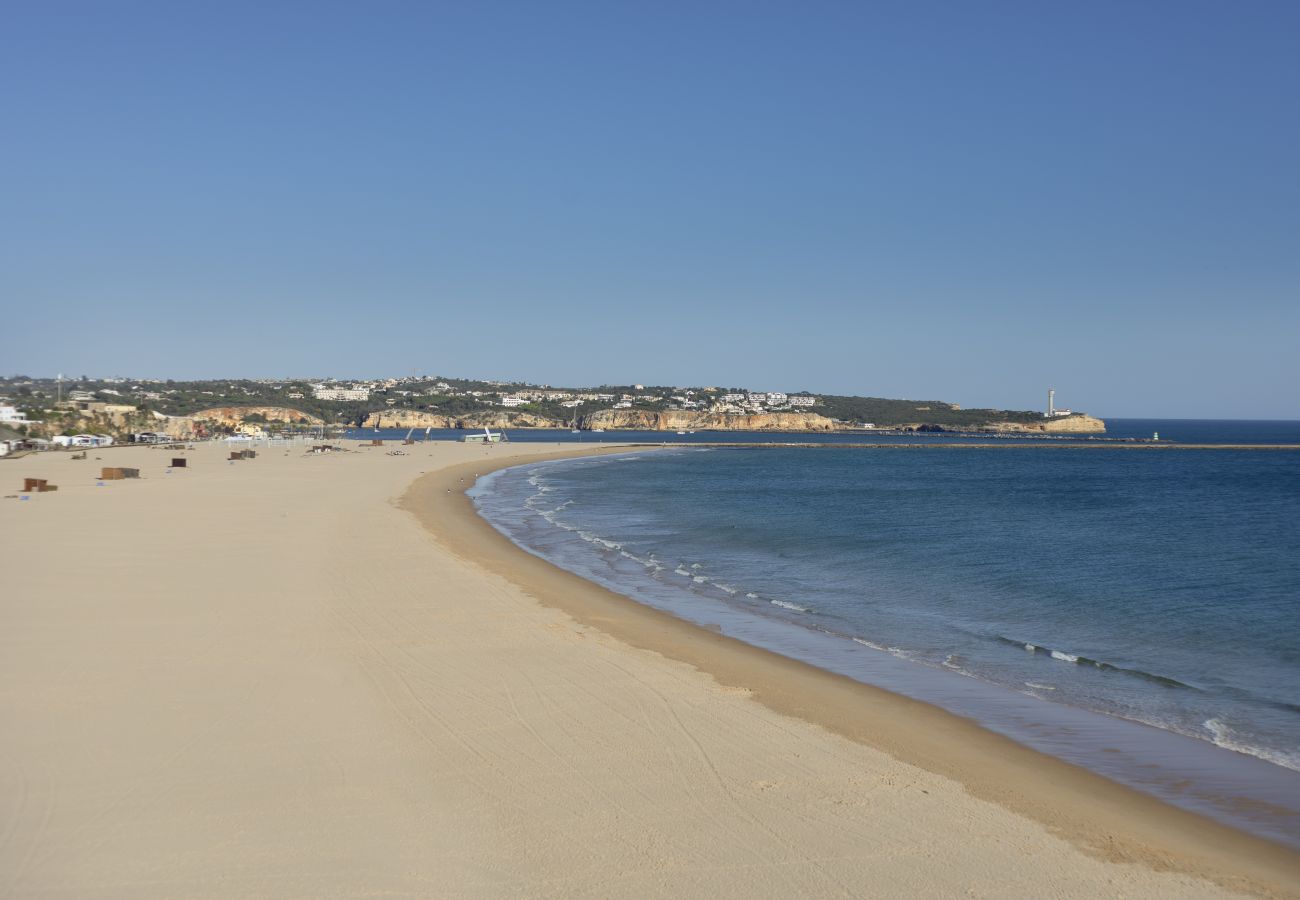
(43, 409)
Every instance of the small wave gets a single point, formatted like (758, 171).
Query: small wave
(682, 571)
(1077, 659)
(597, 539)
(700, 579)
(1223, 736)
(726, 587)
(751, 595)
(785, 604)
(892, 651)
(1039, 687)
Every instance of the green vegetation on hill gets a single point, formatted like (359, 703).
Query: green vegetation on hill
(460, 397)
(885, 413)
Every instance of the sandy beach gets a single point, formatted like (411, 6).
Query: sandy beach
(325, 675)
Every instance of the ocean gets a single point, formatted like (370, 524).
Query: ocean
(1131, 611)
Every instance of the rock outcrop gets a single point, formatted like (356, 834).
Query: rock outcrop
(231, 416)
(684, 420)
(406, 418)
(1075, 424)
(673, 420)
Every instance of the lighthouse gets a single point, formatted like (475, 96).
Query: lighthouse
(1051, 403)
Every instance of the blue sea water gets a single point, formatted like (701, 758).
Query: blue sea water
(1135, 612)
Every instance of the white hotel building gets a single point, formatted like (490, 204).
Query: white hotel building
(324, 393)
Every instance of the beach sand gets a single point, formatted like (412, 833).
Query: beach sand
(325, 676)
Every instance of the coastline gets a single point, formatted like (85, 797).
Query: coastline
(265, 678)
(1109, 820)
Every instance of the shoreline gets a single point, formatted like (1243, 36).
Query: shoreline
(265, 677)
(1102, 817)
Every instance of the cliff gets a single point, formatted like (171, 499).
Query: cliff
(1076, 424)
(644, 420)
(683, 420)
(233, 415)
(406, 418)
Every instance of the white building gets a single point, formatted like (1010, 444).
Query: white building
(513, 401)
(11, 414)
(324, 393)
(804, 401)
(776, 398)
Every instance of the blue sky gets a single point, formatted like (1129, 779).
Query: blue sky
(958, 200)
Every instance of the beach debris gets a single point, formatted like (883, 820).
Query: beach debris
(243, 454)
(117, 473)
(179, 462)
(37, 486)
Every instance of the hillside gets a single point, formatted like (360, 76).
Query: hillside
(430, 401)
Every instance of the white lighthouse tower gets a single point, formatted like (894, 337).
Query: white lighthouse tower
(1051, 403)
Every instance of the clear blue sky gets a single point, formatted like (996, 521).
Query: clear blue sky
(964, 201)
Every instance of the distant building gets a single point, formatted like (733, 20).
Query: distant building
(513, 401)
(323, 393)
(1052, 411)
(11, 414)
(804, 401)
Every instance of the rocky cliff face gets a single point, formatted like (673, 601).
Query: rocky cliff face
(674, 420)
(1076, 424)
(233, 415)
(643, 420)
(406, 418)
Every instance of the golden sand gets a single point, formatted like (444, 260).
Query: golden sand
(265, 678)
